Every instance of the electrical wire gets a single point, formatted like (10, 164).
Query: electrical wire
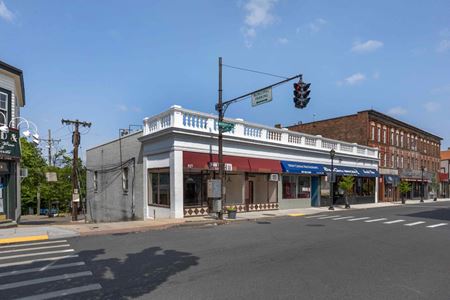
(254, 71)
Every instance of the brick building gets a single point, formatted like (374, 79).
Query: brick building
(406, 152)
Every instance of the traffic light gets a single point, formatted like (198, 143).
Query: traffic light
(301, 94)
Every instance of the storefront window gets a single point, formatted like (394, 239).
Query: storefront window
(296, 187)
(194, 190)
(160, 188)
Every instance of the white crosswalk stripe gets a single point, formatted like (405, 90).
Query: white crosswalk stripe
(358, 219)
(327, 217)
(394, 222)
(343, 218)
(315, 216)
(375, 220)
(437, 225)
(414, 223)
(45, 263)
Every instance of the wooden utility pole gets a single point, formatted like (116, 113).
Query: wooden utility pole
(76, 144)
(50, 142)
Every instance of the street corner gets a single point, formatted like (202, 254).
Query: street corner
(20, 239)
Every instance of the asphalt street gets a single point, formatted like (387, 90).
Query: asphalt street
(379, 253)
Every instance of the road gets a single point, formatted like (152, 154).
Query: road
(382, 253)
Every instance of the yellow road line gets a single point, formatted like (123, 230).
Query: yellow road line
(24, 239)
(296, 215)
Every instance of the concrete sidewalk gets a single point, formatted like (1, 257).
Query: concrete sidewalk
(38, 232)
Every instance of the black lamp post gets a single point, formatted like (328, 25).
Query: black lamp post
(422, 189)
(332, 154)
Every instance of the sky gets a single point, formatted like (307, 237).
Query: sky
(113, 63)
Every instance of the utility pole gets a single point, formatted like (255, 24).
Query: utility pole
(76, 144)
(50, 142)
(220, 142)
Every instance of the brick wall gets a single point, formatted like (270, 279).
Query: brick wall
(353, 128)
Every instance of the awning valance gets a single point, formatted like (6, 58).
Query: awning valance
(319, 169)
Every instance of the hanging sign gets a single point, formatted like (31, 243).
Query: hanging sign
(9, 143)
(262, 97)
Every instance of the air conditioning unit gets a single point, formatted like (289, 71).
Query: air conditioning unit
(274, 177)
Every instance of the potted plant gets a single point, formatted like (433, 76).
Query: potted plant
(404, 188)
(231, 210)
(346, 184)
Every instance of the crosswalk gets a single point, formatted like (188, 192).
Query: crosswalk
(44, 270)
(366, 219)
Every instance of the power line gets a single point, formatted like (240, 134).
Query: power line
(254, 71)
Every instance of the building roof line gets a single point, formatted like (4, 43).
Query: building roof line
(19, 73)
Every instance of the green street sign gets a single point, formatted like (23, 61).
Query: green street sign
(262, 97)
(226, 127)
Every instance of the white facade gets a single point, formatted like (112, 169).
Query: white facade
(167, 135)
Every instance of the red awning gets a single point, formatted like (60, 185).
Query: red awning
(206, 161)
(443, 177)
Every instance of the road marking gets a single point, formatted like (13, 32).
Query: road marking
(35, 248)
(437, 225)
(357, 219)
(343, 218)
(315, 216)
(26, 262)
(24, 239)
(395, 221)
(31, 244)
(36, 254)
(61, 293)
(375, 220)
(296, 215)
(328, 217)
(43, 280)
(45, 268)
(415, 223)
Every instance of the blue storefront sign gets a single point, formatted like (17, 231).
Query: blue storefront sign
(302, 168)
(319, 169)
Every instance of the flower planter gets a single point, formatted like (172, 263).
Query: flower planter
(231, 214)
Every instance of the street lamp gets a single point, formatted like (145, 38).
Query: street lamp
(332, 154)
(422, 189)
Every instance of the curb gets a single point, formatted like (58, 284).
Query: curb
(20, 239)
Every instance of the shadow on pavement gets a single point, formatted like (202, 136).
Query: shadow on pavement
(136, 275)
(436, 214)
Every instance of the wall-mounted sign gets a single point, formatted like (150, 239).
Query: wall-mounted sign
(214, 188)
(9, 143)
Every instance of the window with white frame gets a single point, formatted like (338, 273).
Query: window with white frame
(379, 134)
(3, 108)
(372, 135)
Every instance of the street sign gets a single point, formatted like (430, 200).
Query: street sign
(226, 127)
(262, 97)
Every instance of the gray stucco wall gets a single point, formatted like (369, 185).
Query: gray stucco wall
(109, 202)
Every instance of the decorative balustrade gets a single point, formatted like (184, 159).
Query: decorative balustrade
(202, 122)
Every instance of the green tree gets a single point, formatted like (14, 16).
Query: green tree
(346, 184)
(33, 161)
(404, 188)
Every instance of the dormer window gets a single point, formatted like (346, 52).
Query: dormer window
(3, 108)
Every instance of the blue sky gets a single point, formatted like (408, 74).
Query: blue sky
(114, 62)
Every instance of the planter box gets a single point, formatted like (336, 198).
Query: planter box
(231, 214)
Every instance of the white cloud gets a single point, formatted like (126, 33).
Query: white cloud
(443, 46)
(283, 40)
(125, 108)
(258, 14)
(316, 25)
(353, 79)
(5, 13)
(397, 111)
(432, 106)
(369, 46)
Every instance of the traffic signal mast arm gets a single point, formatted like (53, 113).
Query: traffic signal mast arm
(225, 104)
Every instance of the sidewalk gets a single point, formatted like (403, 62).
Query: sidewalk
(38, 232)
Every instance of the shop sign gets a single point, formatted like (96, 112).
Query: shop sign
(9, 143)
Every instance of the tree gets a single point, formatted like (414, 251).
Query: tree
(404, 187)
(346, 184)
(32, 160)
